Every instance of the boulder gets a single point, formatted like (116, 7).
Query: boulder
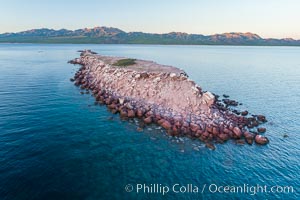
(123, 113)
(244, 113)
(157, 116)
(249, 137)
(121, 100)
(149, 113)
(114, 111)
(209, 129)
(261, 130)
(261, 118)
(172, 75)
(223, 137)
(199, 132)
(166, 125)
(139, 113)
(194, 127)
(144, 75)
(259, 139)
(185, 130)
(226, 130)
(137, 76)
(108, 101)
(208, 98)
(160, 121)
(215, 131)
(237, 132)
(175, 130)
(178, 124)
(148, 120)
(131, 113)
(205, 134)
(112, 106)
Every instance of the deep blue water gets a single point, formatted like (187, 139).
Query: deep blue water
(56, 144)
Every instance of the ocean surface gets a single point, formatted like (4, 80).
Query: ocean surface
(56, 144)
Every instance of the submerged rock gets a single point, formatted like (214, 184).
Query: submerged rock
(261, 130)
(139, 129)
(210, 146)
(240, 142)
(261, 118)
(244, 113)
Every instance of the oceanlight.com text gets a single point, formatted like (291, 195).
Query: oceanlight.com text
(156, 188)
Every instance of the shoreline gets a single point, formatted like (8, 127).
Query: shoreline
(165, 96)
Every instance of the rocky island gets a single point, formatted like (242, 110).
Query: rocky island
(164, 95)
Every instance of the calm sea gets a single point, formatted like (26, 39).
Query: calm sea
(56, 144)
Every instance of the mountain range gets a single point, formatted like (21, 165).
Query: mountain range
(109, 35)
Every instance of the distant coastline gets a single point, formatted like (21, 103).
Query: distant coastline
(109, 35)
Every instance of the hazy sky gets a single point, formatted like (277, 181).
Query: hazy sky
(268, 18)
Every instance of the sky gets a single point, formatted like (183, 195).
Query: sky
(268, 18)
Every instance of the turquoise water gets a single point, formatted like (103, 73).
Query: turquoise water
(56, 144)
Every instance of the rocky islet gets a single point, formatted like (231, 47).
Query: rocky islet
(164, 95)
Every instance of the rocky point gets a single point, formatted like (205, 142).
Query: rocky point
(164, 95)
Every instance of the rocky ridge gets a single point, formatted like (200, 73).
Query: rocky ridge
(110, 35)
